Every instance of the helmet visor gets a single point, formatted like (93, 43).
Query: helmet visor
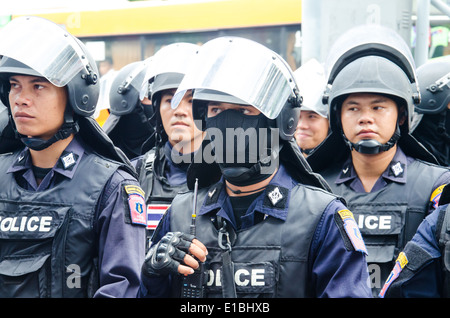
(173, 58)
(241, 68)
(43, 46)
(312, 82)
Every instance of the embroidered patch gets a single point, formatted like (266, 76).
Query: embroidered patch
(154, 214)
(397, 169)
(436, 195)
(211, 192)
(400, 263)
(136, 204)
(275, 196)
(352, 230)
(69, 160)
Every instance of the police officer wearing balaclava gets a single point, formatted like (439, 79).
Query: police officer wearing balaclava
(265, 224)
(72, 214)
(431, 124)
(129, 124)
(167, 153)
(389, 180)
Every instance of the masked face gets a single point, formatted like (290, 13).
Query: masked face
(241, 138)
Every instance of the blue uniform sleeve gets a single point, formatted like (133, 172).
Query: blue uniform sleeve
(121, 240)
(157, 287)
(337, 269)
(438, 187)
(419, 274)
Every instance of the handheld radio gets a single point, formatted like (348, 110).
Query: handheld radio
(192, 286)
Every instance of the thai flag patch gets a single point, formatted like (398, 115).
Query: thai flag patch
(136, 204)
(154, 214)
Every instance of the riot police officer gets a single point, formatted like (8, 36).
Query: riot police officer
(163, 165)
(422, 269)
(431, 125)
(313, 125)
(72, 213)
(389, 180)
(129, 124)
(259, 230)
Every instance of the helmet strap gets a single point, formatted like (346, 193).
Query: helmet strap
(371, 146)
(69, 127)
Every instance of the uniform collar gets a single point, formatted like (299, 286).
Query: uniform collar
(66, 164)
(273, 201)
(396, 171)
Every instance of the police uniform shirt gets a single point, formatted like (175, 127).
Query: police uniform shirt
(120, 245)
(175, 172)
(395, 172)
(333, 270)
(427, 281)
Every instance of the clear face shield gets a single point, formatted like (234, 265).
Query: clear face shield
(243, 69)
(311, 81)
(173, 58)
(45, 47)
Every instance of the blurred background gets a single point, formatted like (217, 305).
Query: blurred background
(118, 32)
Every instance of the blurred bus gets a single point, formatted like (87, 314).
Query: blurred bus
(137, 29)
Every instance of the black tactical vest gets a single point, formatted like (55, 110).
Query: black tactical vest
(159, 193)
(269, 256)
(388, 218)
(47, 238)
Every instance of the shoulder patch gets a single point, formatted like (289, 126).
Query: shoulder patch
(136, 204)
(436, 195)
(400, 263)
(352, 231)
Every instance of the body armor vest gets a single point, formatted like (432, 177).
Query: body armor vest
(158, 192)
(388, 218)
(47, 238)
(267, 257)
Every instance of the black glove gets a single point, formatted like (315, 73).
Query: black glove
(164, 257)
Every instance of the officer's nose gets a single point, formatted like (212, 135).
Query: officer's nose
(366, 117)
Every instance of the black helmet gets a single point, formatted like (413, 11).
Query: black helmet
(371, 59)
(434, 81)
(61, 58)
(65, 62)
(431, 123)
(128, 124)
(237, 70)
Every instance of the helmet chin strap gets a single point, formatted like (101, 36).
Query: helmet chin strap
(68, 128)
(371, 146)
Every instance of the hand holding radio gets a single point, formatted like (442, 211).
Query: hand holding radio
(174, 254)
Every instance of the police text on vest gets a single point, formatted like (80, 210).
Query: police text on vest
(26, 224)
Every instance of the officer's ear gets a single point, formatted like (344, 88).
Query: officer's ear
(402, 115)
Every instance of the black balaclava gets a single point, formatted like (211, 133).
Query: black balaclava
(241, 166)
